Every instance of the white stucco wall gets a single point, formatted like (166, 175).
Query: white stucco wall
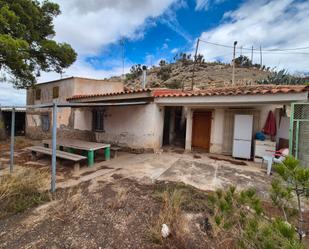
(138, 126)
(217, 126)
(83, 119)
(89, 86)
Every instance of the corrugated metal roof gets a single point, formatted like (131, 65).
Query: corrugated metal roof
(10, 109)
(215, 91)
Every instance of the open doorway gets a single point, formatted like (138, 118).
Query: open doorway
(174, 131)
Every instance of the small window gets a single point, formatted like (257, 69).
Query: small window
(98, 120)
(37, 94)
(55, 92)
(45, 122)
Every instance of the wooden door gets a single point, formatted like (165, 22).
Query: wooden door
(201, 130)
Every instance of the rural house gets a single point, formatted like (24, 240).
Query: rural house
(147, 119)
(202, 119)
(38, 121)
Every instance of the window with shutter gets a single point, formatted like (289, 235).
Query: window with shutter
(98, 120)
(55, 92)
(45, 120)
(37, 94)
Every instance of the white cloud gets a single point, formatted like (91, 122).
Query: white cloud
(84, 69)
(174, 50)
(273, 24)
(202, 4)
(169, 18)
(90, 25)
(164, 46)
(10, 95)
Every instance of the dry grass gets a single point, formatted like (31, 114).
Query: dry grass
(120, 200)
(23, 189)
(193, 200)
(171, 215)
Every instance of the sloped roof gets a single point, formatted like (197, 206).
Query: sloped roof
(215, 91)
(109, 94)
(236, 90)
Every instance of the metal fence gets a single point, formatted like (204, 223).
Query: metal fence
(299, 132)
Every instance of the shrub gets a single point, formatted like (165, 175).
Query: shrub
(294, 178)
(171, 215)
(239, 215)
(243, 61)
(164, 72)
(135, 72)
(184, 58)
(174, 84)
(282, 77)
(22, 190)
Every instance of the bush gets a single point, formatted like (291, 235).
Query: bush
(175, 84)
(164, 72)
(171, 215)
(243, 61)
(282, 77)
(135, 72)
(239, 216)
(22, 190)
(184, 58)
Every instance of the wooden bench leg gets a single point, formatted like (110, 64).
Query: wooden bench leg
(116, 154)
(76, 167)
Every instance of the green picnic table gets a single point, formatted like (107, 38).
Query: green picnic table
(76, 144)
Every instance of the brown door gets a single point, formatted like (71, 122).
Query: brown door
(201, 130)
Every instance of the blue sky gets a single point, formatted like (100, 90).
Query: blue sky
(158, 29)
(173, 32)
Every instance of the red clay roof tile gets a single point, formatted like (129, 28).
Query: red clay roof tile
(225, 91)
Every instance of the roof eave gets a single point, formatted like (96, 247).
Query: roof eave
(118, 97)
(234, 99)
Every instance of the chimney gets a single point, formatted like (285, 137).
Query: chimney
(144, 77)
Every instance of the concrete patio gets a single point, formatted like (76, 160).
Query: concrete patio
(197, 170)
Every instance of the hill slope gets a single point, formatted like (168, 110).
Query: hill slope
(179, 74)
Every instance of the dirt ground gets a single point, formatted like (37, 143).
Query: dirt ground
(114, 204)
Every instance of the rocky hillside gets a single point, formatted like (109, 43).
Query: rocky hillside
(179, 75)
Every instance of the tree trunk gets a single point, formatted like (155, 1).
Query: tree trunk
(300, 219)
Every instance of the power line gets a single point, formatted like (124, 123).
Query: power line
(258, 50)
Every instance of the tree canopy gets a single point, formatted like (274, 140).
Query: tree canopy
(26, 44)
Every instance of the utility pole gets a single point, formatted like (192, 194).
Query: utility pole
(122, 51)
(241, 50)
(234, 52)
(261, 60)
(252, 55)
(195, 57)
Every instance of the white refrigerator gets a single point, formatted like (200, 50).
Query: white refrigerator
(243, 126)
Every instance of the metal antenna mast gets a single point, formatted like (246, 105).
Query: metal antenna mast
(234, 52)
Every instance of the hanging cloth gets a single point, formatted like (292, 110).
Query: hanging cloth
(270, 125)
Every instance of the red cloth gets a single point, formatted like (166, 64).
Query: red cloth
(270, 125)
